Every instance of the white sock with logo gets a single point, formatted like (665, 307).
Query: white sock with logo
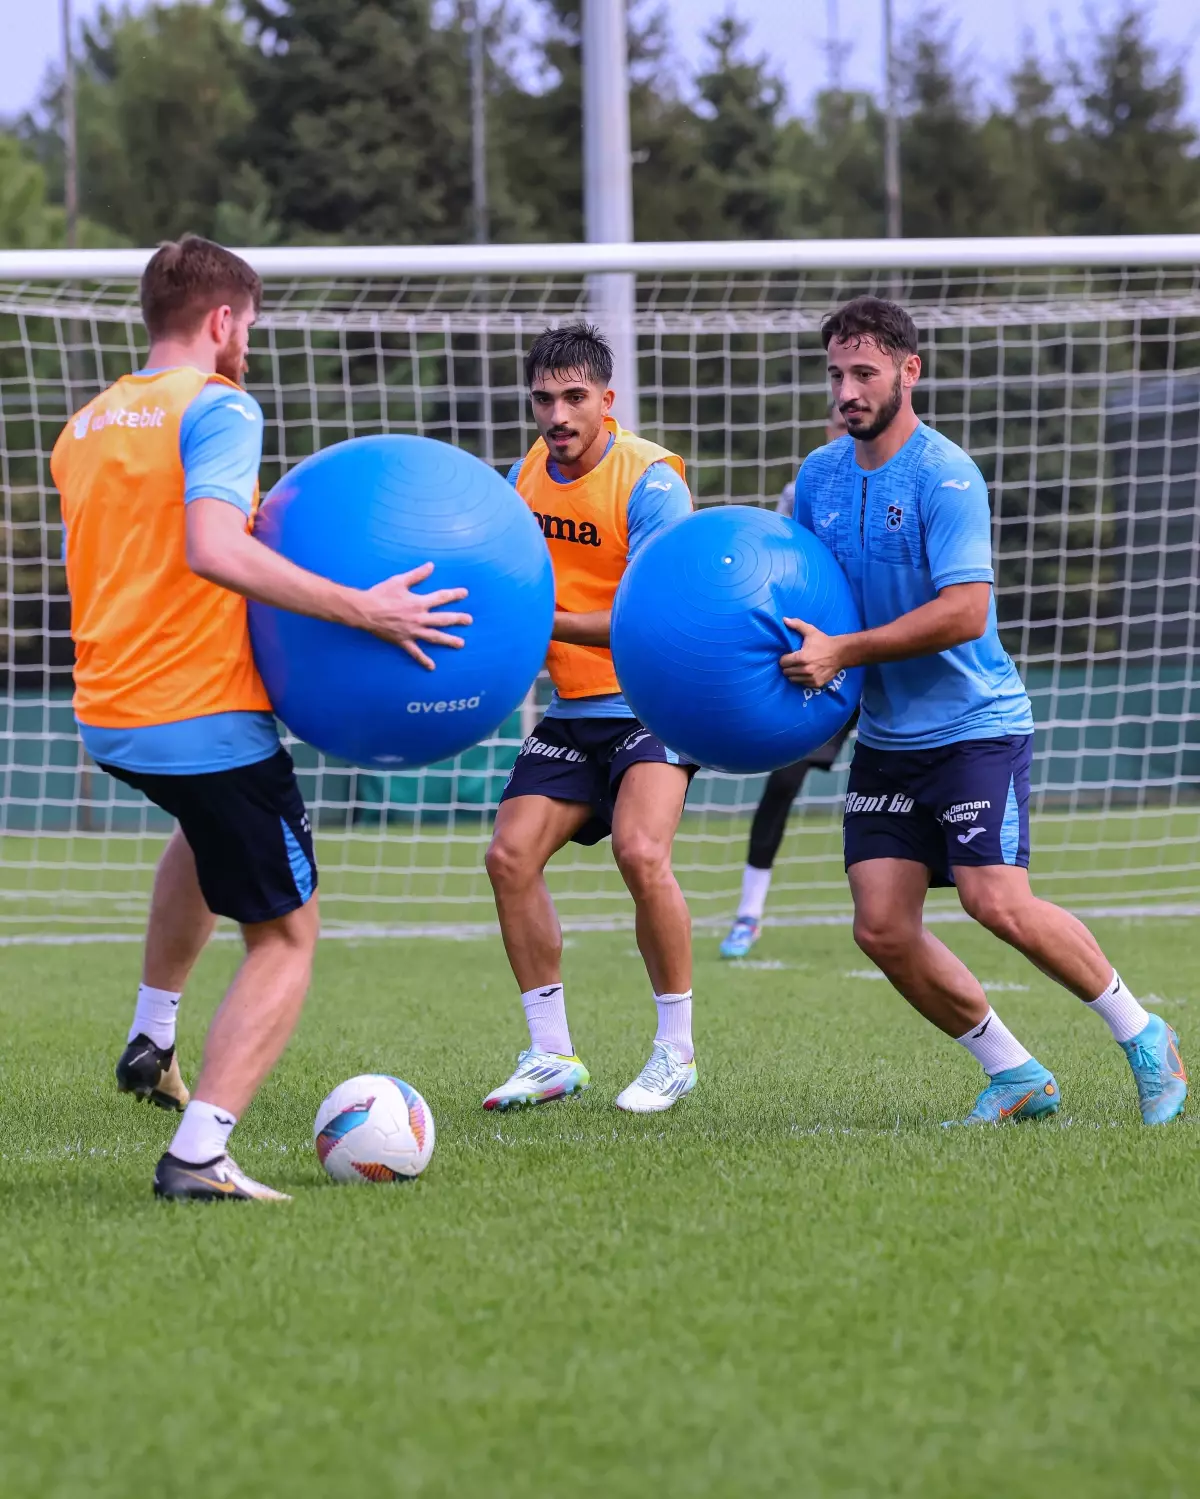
(203, 1133)
(755, 885)
(154, 1015)
(993, 1045)
(1119, 1010)
(546, 1012)
(675, 1022)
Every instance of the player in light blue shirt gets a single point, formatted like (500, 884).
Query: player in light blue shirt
(939, 783)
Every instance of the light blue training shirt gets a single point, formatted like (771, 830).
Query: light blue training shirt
(658, 499)
(220, 445)
(902, 533)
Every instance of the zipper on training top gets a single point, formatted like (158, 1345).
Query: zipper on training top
(862, 515)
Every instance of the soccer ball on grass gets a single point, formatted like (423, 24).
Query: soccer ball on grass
(374, 1129)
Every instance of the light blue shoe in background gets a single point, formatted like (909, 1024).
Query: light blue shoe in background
(743, 934)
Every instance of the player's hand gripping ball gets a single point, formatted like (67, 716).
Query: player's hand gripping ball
(698, 632)
(363, 512)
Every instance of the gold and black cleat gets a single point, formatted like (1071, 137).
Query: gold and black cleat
(217, 1180)
(151, 1073)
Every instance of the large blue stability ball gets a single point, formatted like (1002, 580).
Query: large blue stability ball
(360, 512)
(697, 633)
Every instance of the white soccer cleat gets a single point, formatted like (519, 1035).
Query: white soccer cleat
(664, 1080)
(540, 1076)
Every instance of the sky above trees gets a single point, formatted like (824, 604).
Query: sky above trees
(792, 31)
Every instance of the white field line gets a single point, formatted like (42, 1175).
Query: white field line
(478, 931)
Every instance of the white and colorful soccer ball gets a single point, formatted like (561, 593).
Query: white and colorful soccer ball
(374, 1128)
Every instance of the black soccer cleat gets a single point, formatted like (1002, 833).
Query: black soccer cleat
(152, 1072)
(221, 1179)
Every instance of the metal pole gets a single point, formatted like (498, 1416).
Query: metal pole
(891, 147)
(834, 48)
(479, 186)
(608, 187)
(71, 188)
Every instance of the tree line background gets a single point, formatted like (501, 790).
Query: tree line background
(348, 121)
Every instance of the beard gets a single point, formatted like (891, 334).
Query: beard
(884, 417)
(231, 361)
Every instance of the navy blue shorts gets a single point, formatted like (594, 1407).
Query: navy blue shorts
(964, 803)
(583, 760)
(248, 830)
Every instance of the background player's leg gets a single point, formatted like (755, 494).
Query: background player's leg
(179, 927)
(770, 819)
(766, 834)
(999, 897)
(889, 897)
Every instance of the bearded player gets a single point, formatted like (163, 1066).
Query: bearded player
(590, 769)
(939, 783)
(159, 483)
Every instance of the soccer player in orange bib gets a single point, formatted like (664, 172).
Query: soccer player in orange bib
(590, 768)
(159, 483)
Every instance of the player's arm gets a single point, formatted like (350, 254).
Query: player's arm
(659, 499)
(958, 543)
(221, 449)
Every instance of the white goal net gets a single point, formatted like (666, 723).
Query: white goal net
(1069, 370)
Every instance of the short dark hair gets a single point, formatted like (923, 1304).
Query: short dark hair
(575, 346)
(187, 278)
(884, 323)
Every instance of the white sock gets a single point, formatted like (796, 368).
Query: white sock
(154, 1015)
(1119, 1010)
(203, 1133)
(546, 1012)
(993, 1045)
(675, 1022)
(755, 884)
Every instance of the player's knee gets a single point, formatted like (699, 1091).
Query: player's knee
(1002, 914)
(293, 935)
(507, 864)
(883, 941)
(644, 861)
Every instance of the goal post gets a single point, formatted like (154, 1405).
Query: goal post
(1068, 368)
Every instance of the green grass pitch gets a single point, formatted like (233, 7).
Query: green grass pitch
(796, 1283)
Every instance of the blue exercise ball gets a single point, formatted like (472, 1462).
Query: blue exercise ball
(359, 513)
(697, 633)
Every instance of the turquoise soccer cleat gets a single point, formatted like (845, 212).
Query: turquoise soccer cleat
(743, 934)
(1025, 1092)
(1158, 1070)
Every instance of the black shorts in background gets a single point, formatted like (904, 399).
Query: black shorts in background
(248, 830)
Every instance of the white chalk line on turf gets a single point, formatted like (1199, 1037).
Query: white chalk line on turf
(478, 931)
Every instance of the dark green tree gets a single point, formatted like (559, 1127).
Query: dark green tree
(362, 122)
(1132, 163)
(162, 107)
(741, 136)
(948, 183)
